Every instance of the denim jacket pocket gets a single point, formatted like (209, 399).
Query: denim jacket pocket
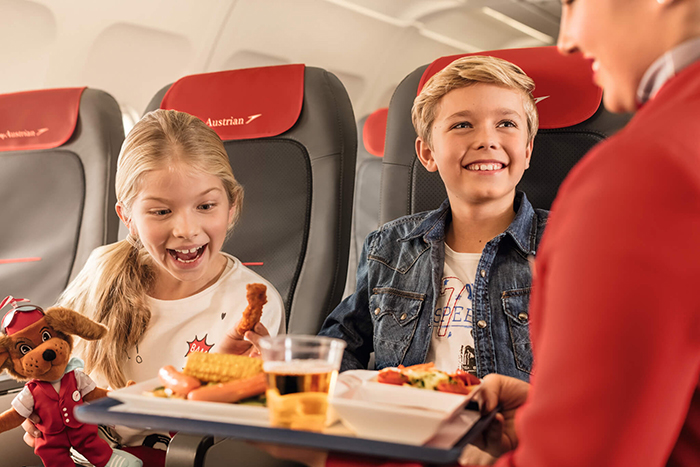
(515, 305)
(394, 315)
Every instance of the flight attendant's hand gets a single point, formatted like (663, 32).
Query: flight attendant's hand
(247, 344)
(509, 393)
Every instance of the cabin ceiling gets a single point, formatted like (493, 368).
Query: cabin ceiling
(132, 48)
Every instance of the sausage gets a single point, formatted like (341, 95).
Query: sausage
(178, 383)
(231, 391)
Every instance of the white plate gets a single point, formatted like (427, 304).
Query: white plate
(399, 414)
(137, 400)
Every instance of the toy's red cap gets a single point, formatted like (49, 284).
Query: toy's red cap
(20, 316)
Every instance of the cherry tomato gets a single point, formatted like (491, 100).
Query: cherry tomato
(392, 376)
(455, 387)
(467, 378)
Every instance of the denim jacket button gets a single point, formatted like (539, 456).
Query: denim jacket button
(481, 323)
(483, 273)
(522, 317)
(377, 310)
(403, 316)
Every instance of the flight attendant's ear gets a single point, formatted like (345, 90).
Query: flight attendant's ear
(425, 155)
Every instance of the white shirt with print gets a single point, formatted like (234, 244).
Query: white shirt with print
(452, 341)
(195, 323)
(199, 322)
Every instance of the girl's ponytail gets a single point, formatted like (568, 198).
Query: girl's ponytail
(111, 289)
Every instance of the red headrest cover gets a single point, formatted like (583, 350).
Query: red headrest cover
(242, 104)
(38, 119)
(374, 132)
(564, 87)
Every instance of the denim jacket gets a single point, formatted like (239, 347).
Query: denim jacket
(399, 278)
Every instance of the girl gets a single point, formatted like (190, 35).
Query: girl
(168, 289)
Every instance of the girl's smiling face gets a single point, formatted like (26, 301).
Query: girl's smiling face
(181, 216)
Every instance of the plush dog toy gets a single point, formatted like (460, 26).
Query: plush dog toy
(36, 347)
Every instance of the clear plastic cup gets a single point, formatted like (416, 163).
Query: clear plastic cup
(301, 372)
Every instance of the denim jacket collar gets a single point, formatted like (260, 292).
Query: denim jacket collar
(523, 228)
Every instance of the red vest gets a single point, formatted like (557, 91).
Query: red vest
(56, 409)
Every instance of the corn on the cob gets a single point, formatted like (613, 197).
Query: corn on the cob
(216, 367)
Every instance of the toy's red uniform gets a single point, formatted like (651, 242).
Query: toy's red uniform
(60, 429)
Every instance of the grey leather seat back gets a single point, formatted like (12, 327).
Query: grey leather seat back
(572, 121)
(368, 173)
(58, 156)
(291, 138)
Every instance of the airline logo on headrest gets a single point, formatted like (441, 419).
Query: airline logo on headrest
(540, 99)
(22, 134)
(232, 121)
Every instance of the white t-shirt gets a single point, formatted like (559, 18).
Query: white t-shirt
(195, 323)
(452, 341)
(198, 322)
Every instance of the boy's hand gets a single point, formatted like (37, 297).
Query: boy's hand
(509, 393)
(234, 343)
(32, 432)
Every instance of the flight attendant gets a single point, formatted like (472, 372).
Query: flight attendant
(615, 322)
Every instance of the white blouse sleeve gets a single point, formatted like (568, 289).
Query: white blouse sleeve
(84, 383)
(23, 402)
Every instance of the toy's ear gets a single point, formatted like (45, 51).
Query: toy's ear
(71, 322)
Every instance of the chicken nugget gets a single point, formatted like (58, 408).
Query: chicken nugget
(257, 297)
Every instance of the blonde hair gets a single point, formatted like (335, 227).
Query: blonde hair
(467, 71)
(112, 287)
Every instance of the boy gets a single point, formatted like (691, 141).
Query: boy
(452, 285)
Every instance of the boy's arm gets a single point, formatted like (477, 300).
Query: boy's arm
(351, 321)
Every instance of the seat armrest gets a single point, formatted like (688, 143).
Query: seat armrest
(202, 451)
(187, 450)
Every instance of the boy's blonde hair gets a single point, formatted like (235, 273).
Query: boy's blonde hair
(112, 287)
(467, 71)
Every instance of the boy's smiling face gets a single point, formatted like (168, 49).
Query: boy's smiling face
(480, 143)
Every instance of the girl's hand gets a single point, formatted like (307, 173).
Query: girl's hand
(509, 393)
(234, 343)
(32, 432)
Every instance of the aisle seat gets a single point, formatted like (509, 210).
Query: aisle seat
(290, 134)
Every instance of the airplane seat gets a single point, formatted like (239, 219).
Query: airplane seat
(290, 134)
(58, 158)
(572, 121)
(368, 172)
(291, 137)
